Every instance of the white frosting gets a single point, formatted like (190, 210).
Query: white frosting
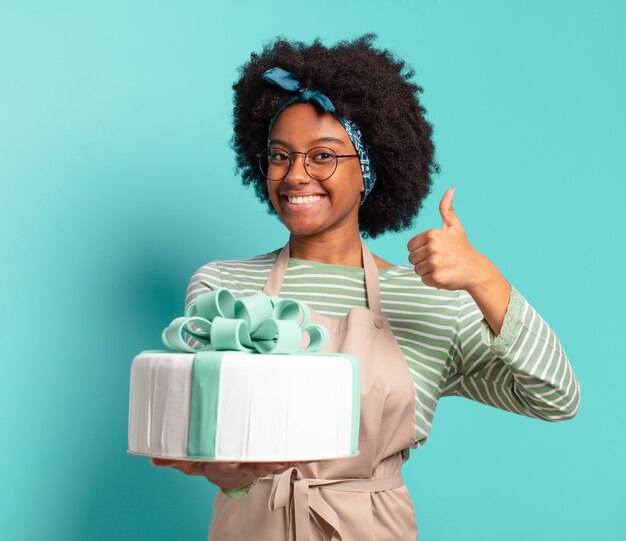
(270, 407)
(291, 406)
(160, 390)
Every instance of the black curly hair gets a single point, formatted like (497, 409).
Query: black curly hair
(368, 86)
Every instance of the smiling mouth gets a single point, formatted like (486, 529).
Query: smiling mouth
(302, 200)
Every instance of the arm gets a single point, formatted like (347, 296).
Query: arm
(503, 354)
(491, 293)
(523, 369)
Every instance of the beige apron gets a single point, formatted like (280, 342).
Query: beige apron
(360, 498)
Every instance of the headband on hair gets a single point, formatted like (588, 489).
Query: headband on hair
(288, 81)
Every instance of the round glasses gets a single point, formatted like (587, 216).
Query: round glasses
(320, 162)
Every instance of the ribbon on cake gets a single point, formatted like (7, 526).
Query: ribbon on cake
(255, 324)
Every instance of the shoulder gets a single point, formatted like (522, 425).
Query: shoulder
(214, 269)
(240, 275)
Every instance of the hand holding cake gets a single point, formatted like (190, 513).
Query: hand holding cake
(229, 475)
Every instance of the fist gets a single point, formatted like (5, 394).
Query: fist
(444, 258)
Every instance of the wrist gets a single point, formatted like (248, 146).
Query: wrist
(484, 276)
(491, 292)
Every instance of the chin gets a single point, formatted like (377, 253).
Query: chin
(302, 227)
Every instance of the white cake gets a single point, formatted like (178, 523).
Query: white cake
(244, 383)
(237, 406)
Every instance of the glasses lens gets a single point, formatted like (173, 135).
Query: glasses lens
(274, 163)
(321, 162)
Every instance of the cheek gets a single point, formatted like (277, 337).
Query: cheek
(356, 175)
(271, 192)
(354, 181)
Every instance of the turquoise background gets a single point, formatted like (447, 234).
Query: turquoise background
(117, 182)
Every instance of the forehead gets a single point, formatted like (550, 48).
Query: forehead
(303, 123)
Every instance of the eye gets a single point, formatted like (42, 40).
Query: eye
(322, 156)
(278, 155)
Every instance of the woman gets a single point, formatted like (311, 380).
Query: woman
(335, 141)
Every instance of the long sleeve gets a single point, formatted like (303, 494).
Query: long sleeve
(206, 278)
(523, 370)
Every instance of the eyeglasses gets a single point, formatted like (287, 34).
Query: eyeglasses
(320, 162)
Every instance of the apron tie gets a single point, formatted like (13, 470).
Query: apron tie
(302, 498)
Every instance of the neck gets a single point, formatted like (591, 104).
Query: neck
(339, 248)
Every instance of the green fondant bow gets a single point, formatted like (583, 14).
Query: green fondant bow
(254, 324)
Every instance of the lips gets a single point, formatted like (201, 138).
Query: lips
(301, 201)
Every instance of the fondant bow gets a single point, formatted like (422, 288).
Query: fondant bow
(255, 324)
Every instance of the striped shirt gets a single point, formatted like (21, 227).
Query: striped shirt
(449, 348)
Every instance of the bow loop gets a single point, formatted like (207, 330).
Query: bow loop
(281, 489)
(254, 324)
(254, 310)
(288, 81)
(289, 488)
(173, 336)
(290, 310)
(283, 78)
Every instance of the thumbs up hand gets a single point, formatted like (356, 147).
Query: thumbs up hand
(444, 258)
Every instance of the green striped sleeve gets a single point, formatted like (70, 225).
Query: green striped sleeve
(206, 278)
(524, 369)
(239, 493)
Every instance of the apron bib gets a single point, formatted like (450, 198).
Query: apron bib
(359, 498)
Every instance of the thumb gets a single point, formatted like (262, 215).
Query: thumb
(448, 215)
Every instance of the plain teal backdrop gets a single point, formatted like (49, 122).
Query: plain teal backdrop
(117, 182)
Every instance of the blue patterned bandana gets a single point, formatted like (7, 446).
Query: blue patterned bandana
(288, 81)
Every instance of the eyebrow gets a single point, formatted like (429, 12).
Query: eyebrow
(325, 139)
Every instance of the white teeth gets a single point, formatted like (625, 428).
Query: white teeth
(304, 200)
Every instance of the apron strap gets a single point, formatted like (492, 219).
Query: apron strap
(372, 285)
(277, 273)
(289, 489)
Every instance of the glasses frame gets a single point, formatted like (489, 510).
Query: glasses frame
(265, 153)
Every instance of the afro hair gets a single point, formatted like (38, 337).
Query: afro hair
(366, 85)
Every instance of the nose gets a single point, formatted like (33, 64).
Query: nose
(297, 173)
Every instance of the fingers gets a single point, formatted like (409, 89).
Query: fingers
(189, 468)
(423, 268)
(256, 469)
(161, 462)
(418, 240)
(228, 467)
(171, 463)
(262, 470)
(419, 254)
(288, 465)
(427, 279)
